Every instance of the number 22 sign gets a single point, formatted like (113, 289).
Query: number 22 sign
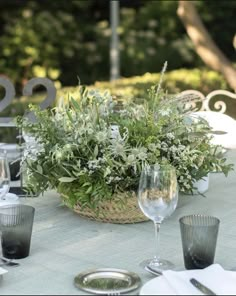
(17, 187)
(27, 91)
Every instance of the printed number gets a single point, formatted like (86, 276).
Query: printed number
(9, 93)
(28, 91)
(51, 93)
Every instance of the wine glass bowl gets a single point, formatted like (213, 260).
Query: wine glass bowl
(157, 205)
(157, 198)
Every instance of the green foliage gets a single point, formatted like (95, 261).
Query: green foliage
(175, 81)
(149, 37)
(129, 89)
(65, 39)
(32, 49)
(90, 150)
(134, 88)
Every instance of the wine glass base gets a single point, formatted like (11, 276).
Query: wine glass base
(159, 265)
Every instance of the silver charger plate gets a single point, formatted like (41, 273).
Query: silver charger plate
(107, 281)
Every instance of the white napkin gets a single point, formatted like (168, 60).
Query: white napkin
(9, 199)
(214, 277)
(2, 271)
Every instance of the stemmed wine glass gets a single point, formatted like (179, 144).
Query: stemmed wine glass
(157, 198)
(5, 177)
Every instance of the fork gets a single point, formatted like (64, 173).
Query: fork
(8, 262)
(153, 271)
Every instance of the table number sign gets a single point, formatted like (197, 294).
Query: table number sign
(10, 137)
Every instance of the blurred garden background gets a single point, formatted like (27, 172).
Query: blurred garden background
(69, 42)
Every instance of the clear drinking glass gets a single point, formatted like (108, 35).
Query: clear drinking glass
(5, 177)
(157, 198)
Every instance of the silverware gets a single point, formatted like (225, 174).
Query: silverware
(8, 262)
(201, 287)
(152, 271)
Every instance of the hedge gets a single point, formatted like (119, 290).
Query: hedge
(135, 87)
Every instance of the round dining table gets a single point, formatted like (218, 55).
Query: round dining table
(63, 244)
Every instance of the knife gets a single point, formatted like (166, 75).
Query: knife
(201, 287)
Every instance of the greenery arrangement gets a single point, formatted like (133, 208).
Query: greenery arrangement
(93, 148)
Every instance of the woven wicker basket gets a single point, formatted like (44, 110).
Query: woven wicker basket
(112, 211)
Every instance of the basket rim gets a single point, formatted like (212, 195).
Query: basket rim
(111, 211)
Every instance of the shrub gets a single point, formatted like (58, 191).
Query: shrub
(135, 87)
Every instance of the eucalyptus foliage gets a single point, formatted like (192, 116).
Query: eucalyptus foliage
(91, 148)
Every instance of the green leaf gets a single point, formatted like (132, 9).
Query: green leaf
(96, 151)
(40, 169)
(217, 132)
(82, 89)
(89, 190)
(66, 179)
(86, 184)
(75, 104)
(69, 115)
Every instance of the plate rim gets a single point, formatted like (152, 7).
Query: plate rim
(134, 276)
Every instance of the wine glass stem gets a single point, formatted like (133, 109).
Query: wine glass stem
(157, 241)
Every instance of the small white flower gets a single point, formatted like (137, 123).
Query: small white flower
(131, 158)
(152, 147)
(58, 155)
(164, 144)
(181, 147)
(101, 136)
(143, 150)
(117, 179)
(170, 136)
(93, 164)
(187, 186)
(165, 112)
(135, 151)
(107, 172)
(90, 131)
(142, 155)
(118, 148)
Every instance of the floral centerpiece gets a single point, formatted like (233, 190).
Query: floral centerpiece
(92, 150)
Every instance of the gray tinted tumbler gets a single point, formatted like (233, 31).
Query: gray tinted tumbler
(16, 223)
(199, 236)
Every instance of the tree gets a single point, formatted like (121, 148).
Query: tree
(205, 46)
